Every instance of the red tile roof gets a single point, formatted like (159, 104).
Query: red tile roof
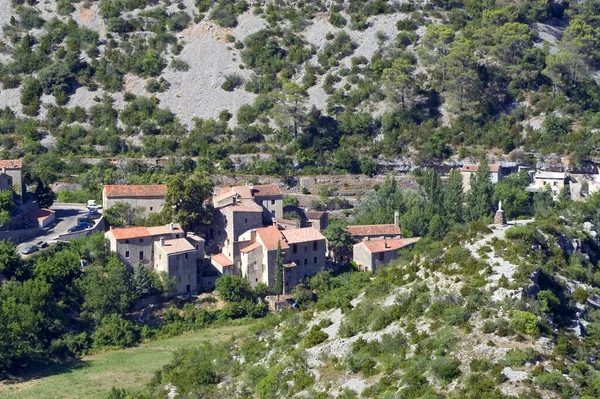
(10, 163)
(307, 234)
(376, 246)
(125, 233)
(42, 213)
(126, 191)
(222, 260)
(270, 236)
(374, 230)
(243, 206)
(268, 190)
(251, 247)
(474, 168)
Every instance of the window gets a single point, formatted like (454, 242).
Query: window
(245, 220)
(381, 255)
(141, 240)
(294, 248)
(159, 256)
(127, 254)
(305, 249)
(176, 235)
(272, 202)
(306, 261)
(151, 209)
(315, 246)
(186, 256)
(126, 241)
(273, 213)
(177, 257)
(141, 255)
(188, 288)
(315, 260)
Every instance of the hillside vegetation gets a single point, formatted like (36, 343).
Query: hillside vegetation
(488, 312)
(307, 86)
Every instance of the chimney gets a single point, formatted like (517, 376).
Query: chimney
(385, 244)
(3, 170)
(397, 218)
(251, 189)
(171, 227)
(162, 241)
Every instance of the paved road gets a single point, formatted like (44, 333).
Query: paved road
(66, 217)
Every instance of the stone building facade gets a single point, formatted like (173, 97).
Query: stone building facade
(151, 198)
(374, 232)
(369, 255)
(11, 177)
(179, 258)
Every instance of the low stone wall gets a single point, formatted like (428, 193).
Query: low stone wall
(100, 226)
(19, 236)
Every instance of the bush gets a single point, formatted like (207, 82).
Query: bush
(553, 381)
(232, 81)
(114, 332)
(179, 65)
(525, 322)
(517, 358)
(315, 336)
(580, 294)
(446, 368)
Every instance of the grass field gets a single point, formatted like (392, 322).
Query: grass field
(95, 375)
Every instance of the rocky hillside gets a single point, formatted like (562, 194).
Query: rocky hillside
(490, 312)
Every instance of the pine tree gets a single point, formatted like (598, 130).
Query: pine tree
(45, 196)
(278, 271)
(479, 199)
(454, 197)
(142, 281)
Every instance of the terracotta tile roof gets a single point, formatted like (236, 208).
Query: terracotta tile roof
(243, 206)
(42, 214)
(268, 190)
(251, 247)
(374, 230)
(243, 191)
(376, 246)
(222, 260)
(270, 236)
(314, 214)
(175, 246)
(166, 229)
(306, 234)
(126, 191)
(10, 163)
(224, 193)
(474, 168)
(125, 233)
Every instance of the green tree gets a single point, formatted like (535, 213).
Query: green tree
(435, 49)
(124, 214)
(11, 264)
(142, 281)
(114, 332)
(278, 288)
(289, 107)
(511, 191)
(233, 288)
(339, 241)
(7, 205)
(543, 201)
(454, 197)
(188, 200)
(399, 83)
(107, 289)
(479, 198)
(44, 194)
(60, 271)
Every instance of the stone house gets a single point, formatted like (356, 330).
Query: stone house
(555, 180)
(179, 257)
(374, 232)
(318, 220)
(369, 255)
(44, 217)
(254, 256)
(11, 177)
(151, 198)
(135, 245)
(161, 248)
(269, 197)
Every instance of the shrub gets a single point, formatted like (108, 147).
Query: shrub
(517, 358)
(553, 381)
(315, 336)
(179, 65)
(525, 322)
(232, 81)
(580, 294)
(114, 331)
(446, 368)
